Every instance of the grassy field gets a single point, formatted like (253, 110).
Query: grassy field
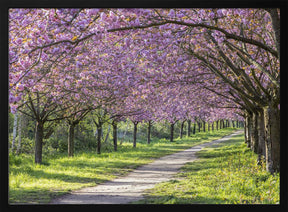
(30, 183)
(226, 173)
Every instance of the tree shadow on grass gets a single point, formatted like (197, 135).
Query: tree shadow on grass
(34, 196)
(218, 150)
(40, 174)
(198, 165)
(222, 149)
(97, 165)
(171, 199)
(236, 139)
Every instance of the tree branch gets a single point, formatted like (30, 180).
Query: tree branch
(227, 34)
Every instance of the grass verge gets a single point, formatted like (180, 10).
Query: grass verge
(227, 173)
(59, 174)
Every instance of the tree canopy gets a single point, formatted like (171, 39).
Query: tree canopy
(147, 64)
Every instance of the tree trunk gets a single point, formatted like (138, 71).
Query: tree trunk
(149, 132)
(171, 132)
(19, 136)
(248, 130)
(99, 134)
(254, 133)
(276, 26)
(199, 126)
(39, 134)
(204, 128)
(245, 131)
(135, 134)
(208, 126)
(189, 128)
(212, 126)
(114, 125)
(217, 124)
(194, 128)
(182, 129)
(261, 136)
(272, 141)
(14, 131)
(71, 140)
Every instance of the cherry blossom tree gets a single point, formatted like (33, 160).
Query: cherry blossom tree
(226, 58)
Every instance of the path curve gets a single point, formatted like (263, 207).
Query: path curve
(130, 188)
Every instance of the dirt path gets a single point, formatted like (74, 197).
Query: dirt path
(131, 187)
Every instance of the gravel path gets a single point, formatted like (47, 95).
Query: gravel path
(131, 187)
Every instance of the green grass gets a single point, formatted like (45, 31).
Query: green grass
(58, 175)
(227, 173)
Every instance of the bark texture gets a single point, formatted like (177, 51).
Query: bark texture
(39, 141)
(189, 128)
(248, 130)
(149, 132)
(99, 134)
(182, 129)
(261, 135)
(171, 132)
(254, 133)
(135, 134)
(272, 141)
(114, 125)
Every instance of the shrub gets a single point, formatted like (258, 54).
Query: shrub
(27, 145)
(14, 160)
(63, 147)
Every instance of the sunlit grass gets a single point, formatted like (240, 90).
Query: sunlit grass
(59, 174)
(227, 173)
